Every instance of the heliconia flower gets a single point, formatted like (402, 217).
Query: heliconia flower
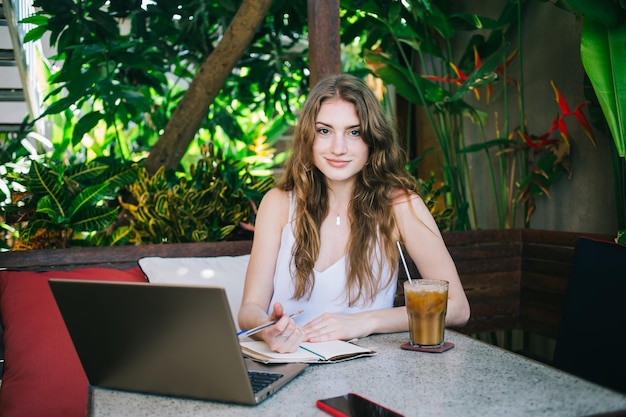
(537, 142)
(563, 129)
(584, 123)
(447, 78)
(565, 110)
(560, 99)
(558, 123)
(461, 77)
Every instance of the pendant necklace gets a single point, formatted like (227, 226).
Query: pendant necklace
(338, 220)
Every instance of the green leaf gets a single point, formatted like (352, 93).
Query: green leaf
(88, 172)
(36, 19)
(484, 75)
(438, 21)
(35, 34)
(88, 197)
(603, 12)
(409, 85)
(84, 125)
(44, 182)
(472, 21)
(46, 206)
(36, 223)
(121, 235)
(59, 105)
(94, 218)
(604, 59)
(485, 145)
(122, 175)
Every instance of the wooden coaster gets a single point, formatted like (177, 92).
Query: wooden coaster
(443, 348)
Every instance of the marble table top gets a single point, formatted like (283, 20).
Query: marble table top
(472, 379)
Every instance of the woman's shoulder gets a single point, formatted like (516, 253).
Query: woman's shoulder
(407, 201)
(276, 194)
(276, 201)
(400, 196)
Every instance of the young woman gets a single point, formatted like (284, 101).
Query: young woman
(325, 237)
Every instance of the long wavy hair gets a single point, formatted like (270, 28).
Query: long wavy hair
(372, 222)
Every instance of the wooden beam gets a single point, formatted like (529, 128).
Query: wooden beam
(324, 39)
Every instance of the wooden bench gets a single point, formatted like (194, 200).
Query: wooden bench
(514, 279)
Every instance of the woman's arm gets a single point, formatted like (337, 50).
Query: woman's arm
(330, 326)
(424, 244)
(426, 247)
(285, 335)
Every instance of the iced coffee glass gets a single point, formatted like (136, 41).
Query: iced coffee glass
(426, 304)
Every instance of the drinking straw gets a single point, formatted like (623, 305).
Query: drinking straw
(406, 268)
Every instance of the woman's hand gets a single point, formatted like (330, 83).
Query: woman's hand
(333, 327)
(285, 336)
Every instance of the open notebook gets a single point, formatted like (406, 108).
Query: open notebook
(320, 352)
(163, 339)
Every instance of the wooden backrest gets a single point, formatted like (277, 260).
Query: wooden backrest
(118, 257)
(514, 279)
(546, 267)
(489, 265)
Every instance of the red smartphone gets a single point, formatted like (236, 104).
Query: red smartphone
(354, 405)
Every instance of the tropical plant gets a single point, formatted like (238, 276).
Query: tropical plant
(446, 62)
(406, 41)
(604, 60)
(124, 68)
(64, 206)
(215, 202)
(432, 191)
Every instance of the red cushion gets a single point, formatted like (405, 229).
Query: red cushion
(42, 375)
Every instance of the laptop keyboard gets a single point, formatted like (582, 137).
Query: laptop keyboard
(260, 380)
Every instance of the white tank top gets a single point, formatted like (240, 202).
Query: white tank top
(328, 295)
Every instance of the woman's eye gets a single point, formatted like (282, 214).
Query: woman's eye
(322, 130)
(355, 132)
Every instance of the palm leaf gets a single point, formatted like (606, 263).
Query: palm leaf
(604, 59)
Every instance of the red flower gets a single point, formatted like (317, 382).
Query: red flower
(565, 110)
(558, 123)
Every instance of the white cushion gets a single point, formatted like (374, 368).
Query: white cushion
(222, 271)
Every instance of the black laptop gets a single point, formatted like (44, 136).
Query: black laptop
(163, 339)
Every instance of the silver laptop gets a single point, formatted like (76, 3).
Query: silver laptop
(163, 339)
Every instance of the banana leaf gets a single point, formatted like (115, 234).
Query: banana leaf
(604, 59)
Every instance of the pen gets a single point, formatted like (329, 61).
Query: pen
(247, 333)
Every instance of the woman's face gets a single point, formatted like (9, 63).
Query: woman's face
(339, 151)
